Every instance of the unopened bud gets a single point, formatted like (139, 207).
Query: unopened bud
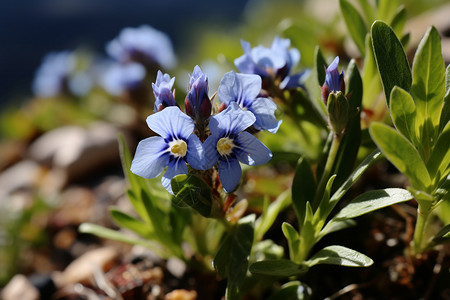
(337, 107)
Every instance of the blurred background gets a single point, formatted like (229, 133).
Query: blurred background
(59, 158)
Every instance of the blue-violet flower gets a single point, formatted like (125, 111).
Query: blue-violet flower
(118, 78)
(229, 143)
(334, 82)
(244, 90)
(197, 103)
(175, 146)
(143, 44)
(162, 89)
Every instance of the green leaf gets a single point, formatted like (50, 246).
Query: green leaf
(445, 114)
(399, 20)
(443, 236)
(367, 10)
(428, 87)
(403, 112)
(320, 65)
(371, 201)
(439, 161)
(391, 59)
(303, 188)
(402, 154)
(322, 212)
(355, 24)
(138, 205)
(353, 178)
(292, 290)
(334, 226)
(194, 192)
(277, 267)
(370, 78)
(126, 221)
(349, 146)
(293, 239)
(339, 255)
(107, 233)
(387, 9)
(240, 248)
(267, 218)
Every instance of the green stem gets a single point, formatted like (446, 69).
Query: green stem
(423, 213)
(326, 171)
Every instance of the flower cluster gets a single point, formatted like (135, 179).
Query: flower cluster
(225, 140)
(272, 64)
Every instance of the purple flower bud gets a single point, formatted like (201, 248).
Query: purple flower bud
(162, 89)
(197, 103)
(334, 82)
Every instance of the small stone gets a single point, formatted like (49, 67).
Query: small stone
(23, 175)
(176, 267)
(19, 287)
(181, 295)
(82, 269)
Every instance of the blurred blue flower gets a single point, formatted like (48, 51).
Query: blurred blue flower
(272, 63)
(334, 82)
(118, 78)
(58, 74)
(174, 147)
(142, 44)
(244, 90)
(197, 103)
(229, 143)
(162, 89)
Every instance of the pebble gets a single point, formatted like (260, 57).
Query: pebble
(19, 287)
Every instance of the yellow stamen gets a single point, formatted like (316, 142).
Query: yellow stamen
(225, 146)
(178, 148)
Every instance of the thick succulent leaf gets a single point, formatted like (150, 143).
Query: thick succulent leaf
(339, 255)
(391, 59)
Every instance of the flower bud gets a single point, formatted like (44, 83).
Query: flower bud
(334, 82)
(162, 89)
(337, 108)
(197, 103)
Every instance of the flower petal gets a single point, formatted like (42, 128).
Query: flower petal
(195, 155)
(171, 122)
(239, 87)
(233, 120)
(229, 173)
(151, 157)
(264, 111)
(251, 152)
(211, 154)
(176, 167)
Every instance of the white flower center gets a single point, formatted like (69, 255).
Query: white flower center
(225, 146)
(178, 148)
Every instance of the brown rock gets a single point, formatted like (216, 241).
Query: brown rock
(19, 288)
(181, 295)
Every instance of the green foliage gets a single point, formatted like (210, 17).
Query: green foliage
(194, 192)
(355, 24)
(341, 256)
(391, 59)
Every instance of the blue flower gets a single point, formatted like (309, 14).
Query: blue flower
(271, 63)
(118, 78)
(244, 90)
(229, 143)
(175, 146)
(197, 103)
(334, 82)
(142, 44)
(58, 73)
(162, 89)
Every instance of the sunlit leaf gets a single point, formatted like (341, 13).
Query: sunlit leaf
(402, 154)
(194, 192)
(439, 161)
(339, 255)
(373, 200)
(126, 221)
(391, 59)
(265, 221)
(293, 239)
(403, 112)
(428, 87)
